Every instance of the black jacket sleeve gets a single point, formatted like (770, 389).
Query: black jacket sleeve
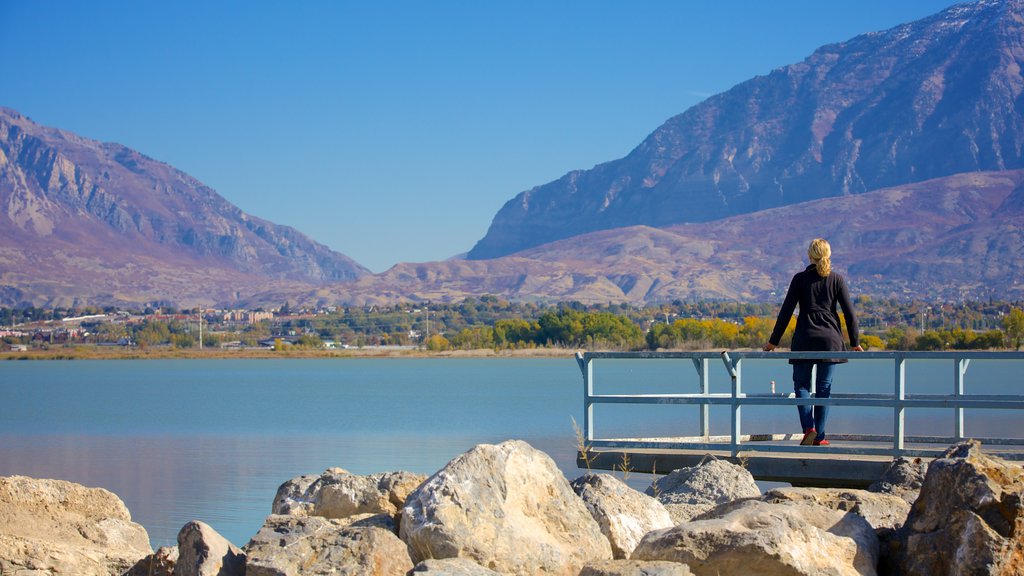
(786, 312)
(843, 297)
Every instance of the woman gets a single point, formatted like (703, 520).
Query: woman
(817, 290)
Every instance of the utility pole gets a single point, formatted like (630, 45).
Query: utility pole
(200, 327)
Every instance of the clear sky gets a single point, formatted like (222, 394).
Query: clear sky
(394, 131)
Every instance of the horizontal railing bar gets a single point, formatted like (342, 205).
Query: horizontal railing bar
(715, 439)
(907, 355)
(748, 447)
(923, 401)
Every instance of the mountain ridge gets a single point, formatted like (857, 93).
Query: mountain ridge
(73, 206)
(922, 100)
(967, 242)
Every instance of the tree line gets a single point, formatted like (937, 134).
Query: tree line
(490, 322)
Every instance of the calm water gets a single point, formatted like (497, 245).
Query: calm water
(212, 440)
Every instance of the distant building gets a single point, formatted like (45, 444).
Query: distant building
(19, 348)
(246, 316)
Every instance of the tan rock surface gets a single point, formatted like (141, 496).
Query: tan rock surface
(689, 492)
(202, 551)
(624, 514)
(969, 518)
(790, 539)
(507, 507)
(312, 546)
(59, 527)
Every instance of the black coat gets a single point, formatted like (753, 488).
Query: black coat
(817, 325)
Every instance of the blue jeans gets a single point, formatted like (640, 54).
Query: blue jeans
(823, 389)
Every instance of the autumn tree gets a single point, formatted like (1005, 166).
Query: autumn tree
(1013, 325)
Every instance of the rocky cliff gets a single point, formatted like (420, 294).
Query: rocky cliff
(91, 220)
(928, 99)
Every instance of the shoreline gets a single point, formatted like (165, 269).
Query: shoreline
(105, 353)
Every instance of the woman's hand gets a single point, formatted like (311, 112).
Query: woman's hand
(857, 348)
(768, 347)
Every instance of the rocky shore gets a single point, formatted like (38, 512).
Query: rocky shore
(507, 509)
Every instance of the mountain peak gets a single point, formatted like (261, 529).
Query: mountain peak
(922, 100)
(104, 216)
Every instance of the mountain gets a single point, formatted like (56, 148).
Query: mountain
(932, 98)
(950, 238)
(85, 221)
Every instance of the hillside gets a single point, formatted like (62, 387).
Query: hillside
(948, 238)
(85, 221)
(932, 98)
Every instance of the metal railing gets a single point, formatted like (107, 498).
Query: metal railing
(894, 445)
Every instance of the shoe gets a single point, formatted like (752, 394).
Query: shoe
(821, 442)
(809, 436)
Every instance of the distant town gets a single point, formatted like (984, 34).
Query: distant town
(489, 322)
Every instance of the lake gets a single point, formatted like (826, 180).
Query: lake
(212, 440)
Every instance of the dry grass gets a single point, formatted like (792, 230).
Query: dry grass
(625, 467)
(87, 352)
(581, 443)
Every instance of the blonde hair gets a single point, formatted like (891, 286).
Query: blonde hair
(820, 253)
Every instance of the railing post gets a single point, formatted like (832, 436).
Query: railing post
(737, 390)
(960, 369)
(898, 407)
(701, 364)
(587, 368)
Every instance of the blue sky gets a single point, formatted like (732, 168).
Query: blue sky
(394, 131)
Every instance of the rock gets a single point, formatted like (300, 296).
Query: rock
(623, 514)
(688, 492)
(338, 494)
(788, 538)
(635, 568)
(452, 567)
(968, 518)
(508, 508)
(885, 512)
(293, 545)
(59, 527)
(159, 563)
(204, 552)
(292, 498)
(903, 478)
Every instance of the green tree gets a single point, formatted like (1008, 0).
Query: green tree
(309, 341)
(1013, 325)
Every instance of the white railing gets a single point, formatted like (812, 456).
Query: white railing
(896, 444)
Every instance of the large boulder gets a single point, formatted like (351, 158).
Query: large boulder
(885, 512)
(635, 568)
(968, 518)
(768, 539)
(508, 508)
(902, 478)
(623, 514)
(689, 492)
(293, 546)
(202, 551)
(339, 494)
(59, 527)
